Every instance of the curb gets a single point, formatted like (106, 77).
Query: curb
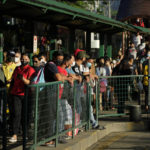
(87, 139)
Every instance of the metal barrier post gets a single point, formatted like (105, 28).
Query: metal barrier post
(89, 96)
(36, 117)
(25, 119)
(4, 119)
(149, 84)
(97, 99)
(57, 116)
(74, 107)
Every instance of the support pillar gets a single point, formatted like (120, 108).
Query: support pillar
(1, 47)
(71, 41)
(109, 46)
(88, 41)
(101, 50)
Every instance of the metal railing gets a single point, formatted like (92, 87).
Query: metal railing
(55, 109)
(58, 109)
(116, 93)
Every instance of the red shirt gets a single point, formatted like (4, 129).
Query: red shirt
(61, 86)
(18, 87)
(62, 71)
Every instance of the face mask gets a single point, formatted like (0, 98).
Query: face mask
(88, 65)
(24, 63)
(43, 61)
(17, 59)
(58, 62)
(73, 64)
(148, 55)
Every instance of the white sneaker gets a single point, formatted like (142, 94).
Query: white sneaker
(12, 140)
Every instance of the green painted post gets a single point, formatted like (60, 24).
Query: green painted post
(4, 125)
(109, 46)
(1, 57)
(101, 50)
(57, 116)
(89, 98)
(1, 47)
(36, 117)
(97, 99)
(25, 104)
(30, 56)
(74, 107)
(51, 54)
(88, 41)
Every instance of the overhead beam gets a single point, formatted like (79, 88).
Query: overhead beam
(62, 8)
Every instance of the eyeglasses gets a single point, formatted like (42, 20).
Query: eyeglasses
(35, 62)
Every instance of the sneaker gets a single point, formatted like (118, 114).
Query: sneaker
(67, 137)
(94, 125)
(12, 140)
(50, 144)
(99, 127)
(62, 140)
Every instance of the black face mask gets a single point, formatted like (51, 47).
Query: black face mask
(58, 62)
(24, 63)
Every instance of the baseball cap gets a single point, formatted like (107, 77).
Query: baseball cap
(82, 54)
(77, 51)
(11, 53)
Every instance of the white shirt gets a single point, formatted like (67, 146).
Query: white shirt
(84, 69)
(137, 40)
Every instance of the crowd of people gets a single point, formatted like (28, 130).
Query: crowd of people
(16, 73)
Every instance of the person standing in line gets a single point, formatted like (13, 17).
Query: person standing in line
(9, 67)
(21, 77)
(18, 58)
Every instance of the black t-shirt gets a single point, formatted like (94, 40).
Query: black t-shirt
(49, 72)
(77, 70)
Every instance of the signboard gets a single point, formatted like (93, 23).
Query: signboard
(95, 42)
(35, 40)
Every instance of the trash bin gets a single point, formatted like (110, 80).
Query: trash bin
(135, 112)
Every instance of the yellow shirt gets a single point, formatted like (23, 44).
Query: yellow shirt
(8, 71)
(145, 80)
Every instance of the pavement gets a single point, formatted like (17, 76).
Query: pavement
(124, 141)
(86, 139)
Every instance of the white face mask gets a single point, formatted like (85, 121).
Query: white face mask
(73, 64)
(43, 61)
(17, 59)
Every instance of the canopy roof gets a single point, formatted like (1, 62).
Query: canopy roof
(133, 8)
(57, 13)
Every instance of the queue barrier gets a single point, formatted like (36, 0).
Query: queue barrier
(57, 109)
(53, 110)
(116, 94)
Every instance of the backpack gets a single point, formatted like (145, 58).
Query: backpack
(39, 78)
(103, 85)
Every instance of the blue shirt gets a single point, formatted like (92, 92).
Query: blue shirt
(70, 71)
